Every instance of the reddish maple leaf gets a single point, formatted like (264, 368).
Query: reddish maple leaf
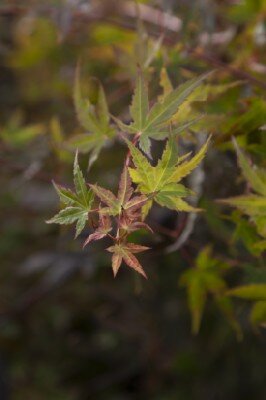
(132, 223)
(105, 226)
(124, 252)
(124, 202)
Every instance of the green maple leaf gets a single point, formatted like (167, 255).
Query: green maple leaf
(140, 105)
(143, 53)
(17, 134)
(93, 116)
(187, 113)
(145, 49)
(249, 292)
(256, 293)
(124, 252)
(162, 111)
(152, 122)
(163, 180)
(251, 205)
(254, 204)
(247, 233)
(206, 278)
(57, 141)
(255, 176)
(78, 203)
(258, 314)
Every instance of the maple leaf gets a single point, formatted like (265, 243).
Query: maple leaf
(206, 278)
(105, 226)
(152, 123)
(258, 314)
(256, 293)
(140, 105)
(188, 114)
(249, 292)
(124, 252)
(253, 204)
(144, 51)
(15, 133)
(108, 198)
(162, 180)
(57, 141)
(77, 204)
(133, 223)
(124, 202)
(94, 117)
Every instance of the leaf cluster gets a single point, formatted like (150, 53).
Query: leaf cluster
(140, 183)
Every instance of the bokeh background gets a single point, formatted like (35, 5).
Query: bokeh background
(68, 330)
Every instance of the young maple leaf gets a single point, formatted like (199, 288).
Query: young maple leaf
(77, 204)
(152, 123)
(124, 252)
(162, 180)
(133, 223)
(105, 226)
(125, 201)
